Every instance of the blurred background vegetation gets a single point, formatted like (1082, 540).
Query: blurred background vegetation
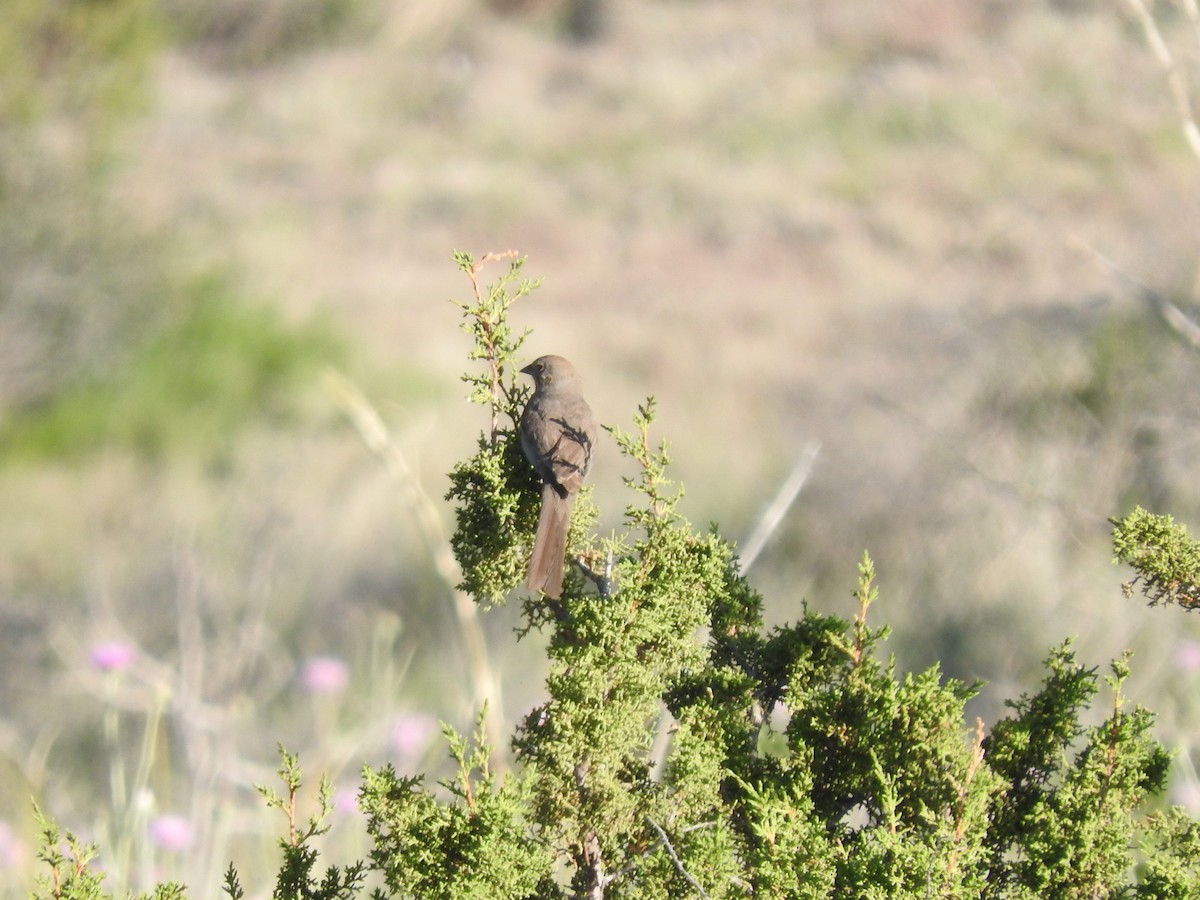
(882, 227)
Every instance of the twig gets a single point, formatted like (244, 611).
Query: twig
(374, 434)
(1177, 82)
(777, 509)
(1193, 14)
(666, 842)
(1175, 77)
(494, 369)
(602, 579)
(1172, 315)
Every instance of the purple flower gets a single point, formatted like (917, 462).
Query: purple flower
(11, 849)
(324, 675)
(173, 833)
(345, 801)
(1187, 795)
(1187, 656)
(411, 733)
(112, 656)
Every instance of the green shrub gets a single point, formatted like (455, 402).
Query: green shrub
(792, 762)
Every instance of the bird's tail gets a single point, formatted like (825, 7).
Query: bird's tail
(550, 544)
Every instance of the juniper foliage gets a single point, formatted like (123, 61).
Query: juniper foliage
(687, 750)
(1164, 557)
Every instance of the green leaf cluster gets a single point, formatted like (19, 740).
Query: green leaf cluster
(495, 492)
(1165, 558)
(1064, 825)
(296, 879)
(473, 845)
(70, 873)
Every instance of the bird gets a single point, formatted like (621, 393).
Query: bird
(558, 433)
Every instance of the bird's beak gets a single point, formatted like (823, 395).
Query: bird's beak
(528, 370)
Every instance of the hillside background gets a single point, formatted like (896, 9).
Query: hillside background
(903, 231)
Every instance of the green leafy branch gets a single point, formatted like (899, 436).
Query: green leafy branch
(470, 760)
(289, 772)
(477, 846)
(71, 875)
(485, 318)
(651, 481)
(494, 491)
(296, 878)
(68, 859)
(866, 593)
(1165, 558)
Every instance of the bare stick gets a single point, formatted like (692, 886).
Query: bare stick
(784, 498)
(666, 842)
(1175, 78)
(1171, 314)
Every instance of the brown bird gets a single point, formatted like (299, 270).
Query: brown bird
(557, 435)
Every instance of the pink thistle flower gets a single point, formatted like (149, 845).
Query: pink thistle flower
(112, 656)
(1187, 656)
(324, 675)
(172, 833)
(345, 801)
(1187, 795)
(411, 733)
(12, 851)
